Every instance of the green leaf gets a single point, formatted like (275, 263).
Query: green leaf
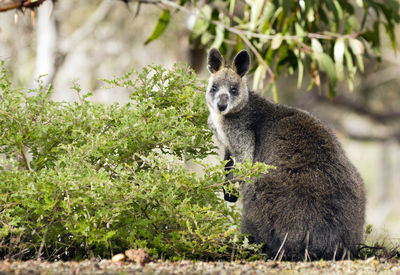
(160, 26)
(219, 38)
(338, 9)
(220, 32)
(300, 75)
(258, 77)
(276, 41)
(299, 30)
(310, 15)
(338, 53)
(275, 92)
(267, 14)
(391, 34)
(357, 48)
(205, 38)
(316, 46)
(300, 67)
(286, 5)
(256, 8)
(350, 68)
(202, 21)
(327, 65)
(232, 4)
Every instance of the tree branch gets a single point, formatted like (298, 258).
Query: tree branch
(6, 5)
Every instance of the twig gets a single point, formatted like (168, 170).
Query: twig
(334, 254)
(10, 5)
(344, 253)
(281, 255)
(298, 37)
(25, 159)
(306, 255)
(280, 248)
(22, 252)
(39, 253)
(236, 179)
(252, 48)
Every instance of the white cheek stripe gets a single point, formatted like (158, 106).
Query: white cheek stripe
(217, 120)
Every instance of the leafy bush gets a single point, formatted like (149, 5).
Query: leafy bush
(105, 178)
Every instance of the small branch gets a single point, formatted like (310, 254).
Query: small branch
(233, 180)
(25, 159)
(280, 248)
(6, 5)
(248, 43)
(308, 35)
(39, 253)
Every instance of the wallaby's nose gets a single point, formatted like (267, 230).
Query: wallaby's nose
(221, 107)
(222, 102)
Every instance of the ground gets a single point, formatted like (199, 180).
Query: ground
(369, 266)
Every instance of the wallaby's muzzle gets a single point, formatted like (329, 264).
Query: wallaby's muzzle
(222, 102)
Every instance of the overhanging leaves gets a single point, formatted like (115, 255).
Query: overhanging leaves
(162, 23)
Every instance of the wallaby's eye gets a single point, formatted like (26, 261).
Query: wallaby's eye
(234, 91)
(214, 88)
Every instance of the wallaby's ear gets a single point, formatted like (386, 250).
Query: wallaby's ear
(215, 61)
(241, 63)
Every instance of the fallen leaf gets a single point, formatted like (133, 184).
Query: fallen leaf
(139, 256)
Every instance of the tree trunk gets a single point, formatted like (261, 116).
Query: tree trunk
(46, 44)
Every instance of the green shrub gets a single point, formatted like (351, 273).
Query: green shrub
(105, 178)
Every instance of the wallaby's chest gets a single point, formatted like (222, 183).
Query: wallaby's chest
(226, 129)
(217, 124)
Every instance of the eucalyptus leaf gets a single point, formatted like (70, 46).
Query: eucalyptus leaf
(160, 26)
(338, 53)
(357, 48)
(256, 9)
(258, 77)
(202, 21)
(219, 38)
(316, 46)
(350, 68)
(276, 41)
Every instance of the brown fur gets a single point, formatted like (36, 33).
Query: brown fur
(313, 204)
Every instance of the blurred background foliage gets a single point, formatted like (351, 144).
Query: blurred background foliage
(335, 58)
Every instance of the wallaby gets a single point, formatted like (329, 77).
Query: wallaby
(312, 205)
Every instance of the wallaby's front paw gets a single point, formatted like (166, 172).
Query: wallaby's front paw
(231, 197)
(230, 193)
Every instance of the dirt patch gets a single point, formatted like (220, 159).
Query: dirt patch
(370, 266)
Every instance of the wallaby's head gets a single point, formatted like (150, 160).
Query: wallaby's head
(227, 90)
